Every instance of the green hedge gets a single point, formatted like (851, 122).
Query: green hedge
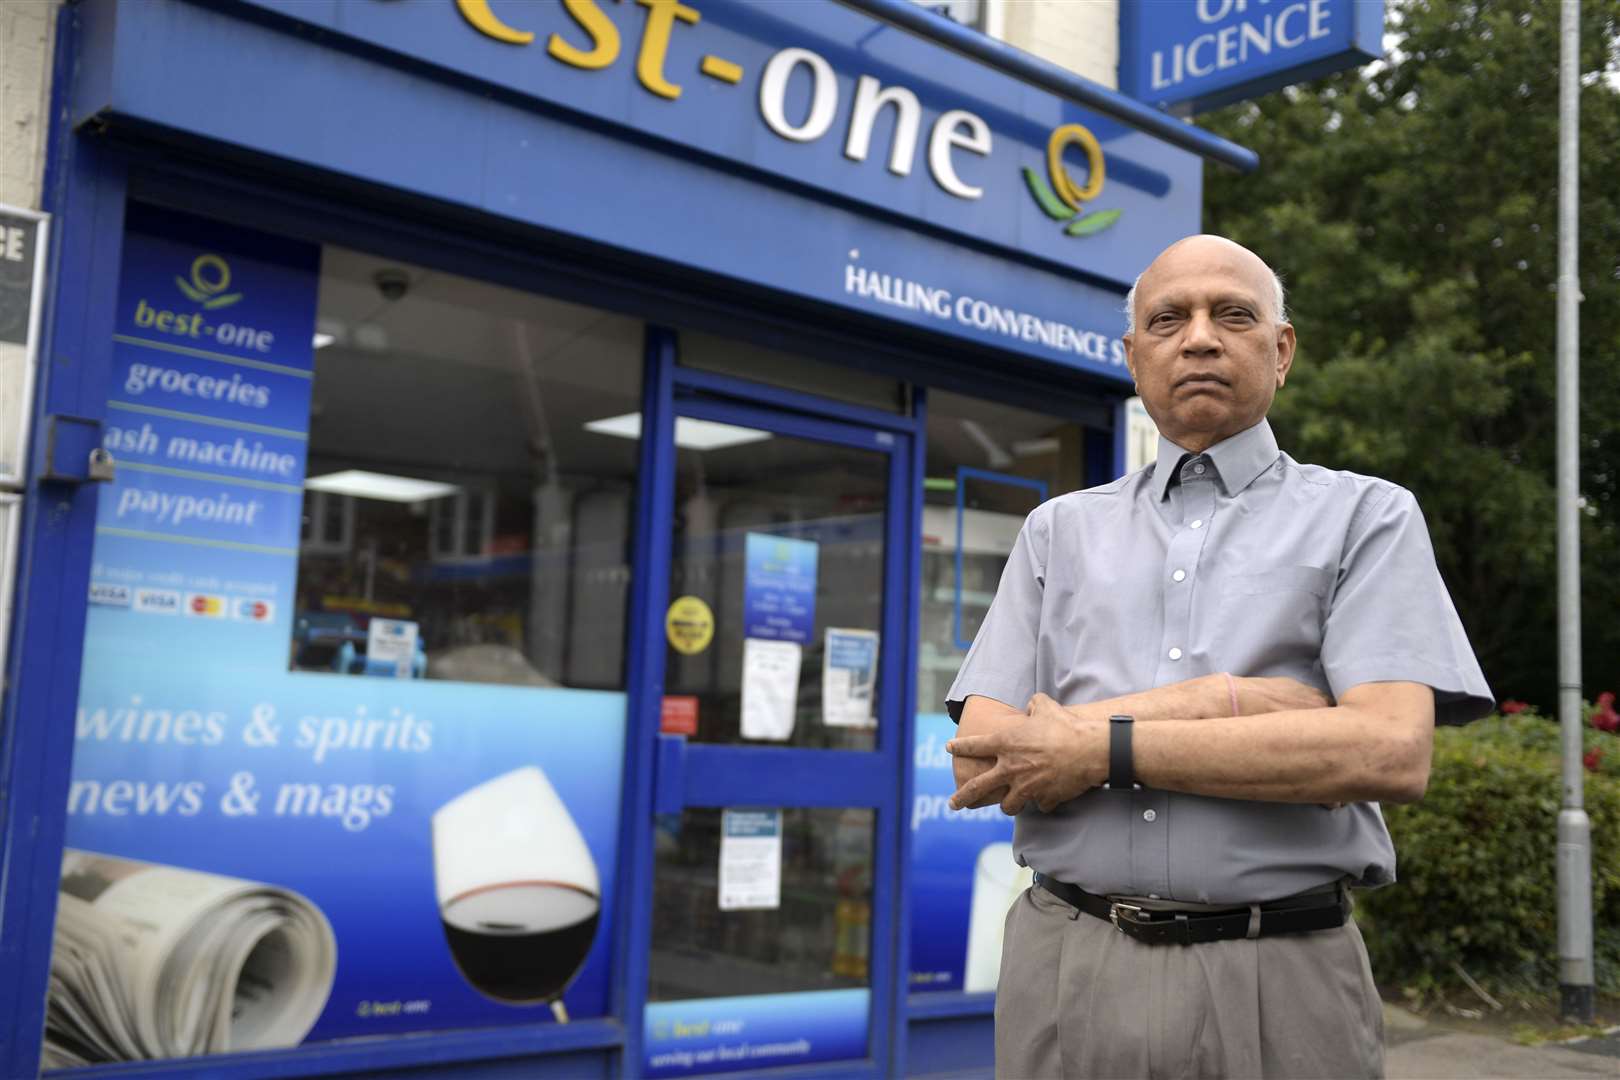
(1477, 877)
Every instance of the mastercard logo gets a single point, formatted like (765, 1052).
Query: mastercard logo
(205, 606)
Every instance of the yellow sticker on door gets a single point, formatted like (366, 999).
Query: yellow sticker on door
(689, 625)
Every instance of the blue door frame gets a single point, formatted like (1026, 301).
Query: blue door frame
(681, 775)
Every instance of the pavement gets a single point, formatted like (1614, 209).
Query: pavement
(1416, 1049)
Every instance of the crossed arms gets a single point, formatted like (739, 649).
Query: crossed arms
(1290, 744)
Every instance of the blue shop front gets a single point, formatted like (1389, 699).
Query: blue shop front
(512, 484)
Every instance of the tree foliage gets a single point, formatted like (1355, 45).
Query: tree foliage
(1412, 210)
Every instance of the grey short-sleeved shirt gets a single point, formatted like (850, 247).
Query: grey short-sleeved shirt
(1240, 560)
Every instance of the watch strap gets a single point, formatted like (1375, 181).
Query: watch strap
(1121, 763)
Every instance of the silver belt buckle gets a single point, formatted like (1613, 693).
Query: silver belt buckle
(1117, 910)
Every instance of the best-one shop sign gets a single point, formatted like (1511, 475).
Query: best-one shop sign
(953, 131)
(760, 141)
(1207, 53)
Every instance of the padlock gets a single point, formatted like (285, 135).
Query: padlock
(103, 469)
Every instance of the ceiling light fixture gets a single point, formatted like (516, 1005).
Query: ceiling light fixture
(690, 433)
(370, 485)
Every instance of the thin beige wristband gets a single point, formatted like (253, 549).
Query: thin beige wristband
(1231, 691)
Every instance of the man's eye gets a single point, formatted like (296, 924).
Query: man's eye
(1164, 318)
(1239, 315)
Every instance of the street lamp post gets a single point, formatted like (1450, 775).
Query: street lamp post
(1575, 963)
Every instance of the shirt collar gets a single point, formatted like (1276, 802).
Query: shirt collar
(1238, 460)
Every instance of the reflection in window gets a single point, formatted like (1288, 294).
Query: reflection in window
(983, 456)
(455, 493)
(829, 498)
(818, 939)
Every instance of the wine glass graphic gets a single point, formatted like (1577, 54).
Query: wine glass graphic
(517, 889)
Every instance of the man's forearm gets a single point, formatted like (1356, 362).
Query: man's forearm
(1208, 697)
(1349, 753)
(1375, 745)
(1203, 697)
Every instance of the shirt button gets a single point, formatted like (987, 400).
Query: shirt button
(1180, 575)
(1199, 524)
(1199, 469)
(1149, 815)
(1175, 654)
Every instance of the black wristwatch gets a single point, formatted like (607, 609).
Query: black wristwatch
(1121, 766)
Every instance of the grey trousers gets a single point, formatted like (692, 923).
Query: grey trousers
(1077, 998)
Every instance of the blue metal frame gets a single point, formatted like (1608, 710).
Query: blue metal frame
(965, 473)
(728, 775)
(84, 191)
(644, 674)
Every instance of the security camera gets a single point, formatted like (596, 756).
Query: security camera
(392, 282)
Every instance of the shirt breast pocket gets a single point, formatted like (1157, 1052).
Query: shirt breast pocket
(1270, 621)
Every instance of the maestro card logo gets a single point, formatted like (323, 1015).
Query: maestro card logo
(1062, 199)
(210, 277)
(247, 609)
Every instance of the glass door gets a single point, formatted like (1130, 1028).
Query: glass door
(779, 776)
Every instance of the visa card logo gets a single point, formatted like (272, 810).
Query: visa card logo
(157, 601)
(205, 605)
(247, 609)
(110, 595)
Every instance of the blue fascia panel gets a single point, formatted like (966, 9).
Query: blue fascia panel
(701, 182)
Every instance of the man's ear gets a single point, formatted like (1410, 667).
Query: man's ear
(1130, 354)
(1285, 352)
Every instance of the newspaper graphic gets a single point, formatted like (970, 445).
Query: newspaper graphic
(154, 961)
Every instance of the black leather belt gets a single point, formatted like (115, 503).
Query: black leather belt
(1321, 910)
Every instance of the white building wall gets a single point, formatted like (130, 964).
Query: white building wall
(1081, 35)
(27, 33)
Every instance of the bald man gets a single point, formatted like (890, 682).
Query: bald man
(1193, 689)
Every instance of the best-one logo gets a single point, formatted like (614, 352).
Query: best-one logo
(205, 286)
(1062, 200)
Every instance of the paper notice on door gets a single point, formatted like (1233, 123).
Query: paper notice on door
(770, 688)
(392, 641)
(849, 677)
(750, 859)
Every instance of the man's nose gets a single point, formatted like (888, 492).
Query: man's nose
(1200, 337)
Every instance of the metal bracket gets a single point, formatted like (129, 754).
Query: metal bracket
(73, 452)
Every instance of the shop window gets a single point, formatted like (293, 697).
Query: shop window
(351, 723)
(713, 939)
(988, 466)
(790, 371)
(481, 511)
(818, 511)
